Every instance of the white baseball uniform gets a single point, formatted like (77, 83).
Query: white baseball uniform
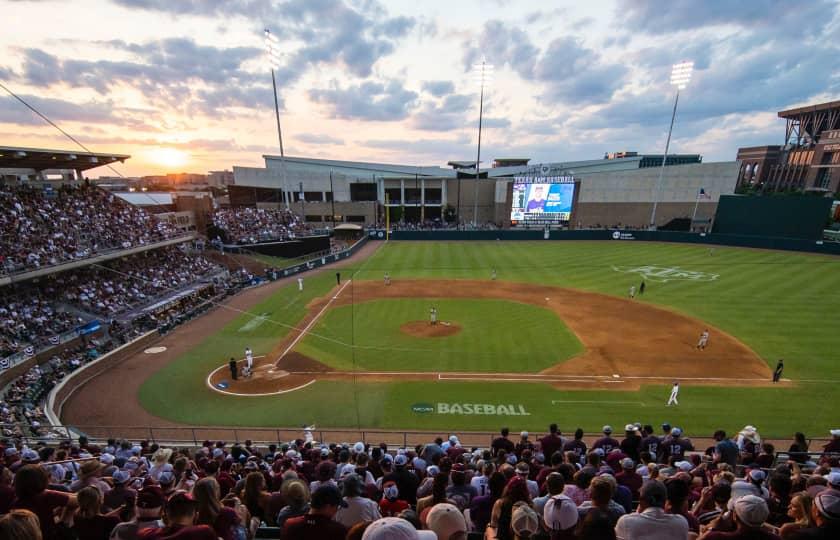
(249, 358)
(704, 339)
(632, 291)
(433, 315)
(300, 283)
(675, 390)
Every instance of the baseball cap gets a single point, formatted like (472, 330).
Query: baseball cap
(666, 426)
(607, 429)
(828, 504)
(522, 468)
(676, 432)
(644, 472)
(684, 466)
(359, 447)
(394, 528)
(150, 497)
(121, 477)
(107, 459)
(524, 520)
(560, 513)
(166, 478)
(327, 494)
(833, 479)
(445, 519)
(29, 454)
(524, 434)
(391, 491)
(758, 475)
(751, 510)
(400, 460)
(10, 451)
(599, 451)
(627, 463)
(631, 427)
(835, 432)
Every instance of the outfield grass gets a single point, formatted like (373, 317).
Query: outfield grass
(781, 304)
(367, 337)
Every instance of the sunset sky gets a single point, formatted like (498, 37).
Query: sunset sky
(183, 85)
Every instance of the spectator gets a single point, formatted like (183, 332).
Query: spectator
(459, 491)
(555, 483)
(678, 492)
(438, 496)
(632, 443)
(150, 503)
(726, 451)
(576, 445)
(296, 495)
(525, 522)
(597, 525)
(825, 511)
(748, 444)
(551, 443)
(223, 520)
(629, 478)
(318, 522)
(601, 494)
(482, 506)
(750, 513)
(560, 514)
(832, 448)
(389, 528)
(502, 514)
(89, 523)
(391, 504)
(20, 525)
(356, 508)
(180, 516)
(650, 519)
(712, 502)
(481, 480)
(502, 443)
(650, 442)
(33, 495)
(406, 480)
(606, 443)
(120, 494)
(255, 498)
(798, 450)
(447, 522)
(800, 512)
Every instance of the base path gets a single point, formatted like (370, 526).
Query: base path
(627, 343)
(110, 399)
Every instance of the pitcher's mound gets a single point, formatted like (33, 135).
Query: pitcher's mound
(424, 329)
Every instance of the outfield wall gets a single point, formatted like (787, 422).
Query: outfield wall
(736, 240)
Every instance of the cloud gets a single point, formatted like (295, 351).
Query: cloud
(317, 138)
(436, 148)
(439, 88)
(377, 101)
(58, 110)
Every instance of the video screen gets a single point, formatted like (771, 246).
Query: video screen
(542, 200)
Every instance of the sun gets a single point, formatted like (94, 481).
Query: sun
(169, 157)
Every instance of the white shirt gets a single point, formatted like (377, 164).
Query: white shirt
(358, 509)
(651, 524)
(480, 484)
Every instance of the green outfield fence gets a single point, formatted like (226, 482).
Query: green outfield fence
(618, 235)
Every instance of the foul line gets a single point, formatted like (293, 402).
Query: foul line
(555, 401)
(313, 321)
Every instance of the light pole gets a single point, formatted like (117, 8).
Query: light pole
(272, 49)
(483, 75)
(680, 76)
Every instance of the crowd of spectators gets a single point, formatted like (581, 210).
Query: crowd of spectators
(248, 224)
(36, 311)
(43, 228)
(643, 486)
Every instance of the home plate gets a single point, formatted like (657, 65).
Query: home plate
(547, 299)
(154, 350)
(616, 376)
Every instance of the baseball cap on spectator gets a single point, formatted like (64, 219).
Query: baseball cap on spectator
(827, 503)
(387, 457)
(833, 480)
(89, 468)
(327, 494)
(400, 460)
(121, 477)
(432, 470)
(107, 459)
(560, 513)
(607, 430)
(394, 528)
(325, 451)
(453, 439)
(418, 463)
(166, 478)
(757, 475)
(524, 434)
(359, 447)
(136, 450)
(522, 468)
(150, 497)
(524, 520)
(218, 452)
(676, 432)
(599, 451)
(644, 472)
(30, 456)
(751, 510)
(445, 519)
(10, 451)
(511, 459)
(684, 466)
(627, 463)
(631, 427)
(835, 432)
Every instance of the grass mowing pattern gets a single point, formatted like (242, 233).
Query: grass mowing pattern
(781, 304)
(539, 341)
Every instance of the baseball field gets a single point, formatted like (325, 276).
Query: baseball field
(555, 337)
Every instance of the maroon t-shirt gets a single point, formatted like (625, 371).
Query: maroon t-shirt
(313, 526)
(44, 506)
(95, 528)
(606, 443)
(178, 532)
(550, 444)
(576, 445)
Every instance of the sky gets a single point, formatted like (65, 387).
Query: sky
(185, 85)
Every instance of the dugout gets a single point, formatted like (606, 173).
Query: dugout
(781, 217)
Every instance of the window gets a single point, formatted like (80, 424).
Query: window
(363, 192)
(313, 196)
(355, 219)
(328, 196)
(313, 218)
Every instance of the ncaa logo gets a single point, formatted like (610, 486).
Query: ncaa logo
(664, 274)
(422, 408)
(616, 235)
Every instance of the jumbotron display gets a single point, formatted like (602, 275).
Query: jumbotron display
(542, 200)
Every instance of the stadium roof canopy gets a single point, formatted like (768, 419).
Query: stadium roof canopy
(39, 159)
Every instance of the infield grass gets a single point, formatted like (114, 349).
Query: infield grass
(781, 304)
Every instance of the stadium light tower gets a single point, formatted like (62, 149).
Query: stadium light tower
(483, 76)
(680, 76)
(272, 49)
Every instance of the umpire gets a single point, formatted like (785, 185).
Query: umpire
(777, 373)
(233, 370)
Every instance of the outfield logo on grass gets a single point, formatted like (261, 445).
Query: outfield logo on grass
(665, 273)
(471, 409)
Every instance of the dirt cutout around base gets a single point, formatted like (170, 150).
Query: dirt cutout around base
(626, 342)
(424, 329)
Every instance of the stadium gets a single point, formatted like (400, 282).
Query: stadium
(332, 348)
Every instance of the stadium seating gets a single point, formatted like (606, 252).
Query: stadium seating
(41, 228)
(248, 225)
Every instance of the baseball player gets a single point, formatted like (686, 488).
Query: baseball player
(300, 284)
(704, 340)
(675, 390)
(632, 291)
(777, 373)
(249, 359)
(387, 279)
(433, 316)
(493, 274)
(642, 287)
